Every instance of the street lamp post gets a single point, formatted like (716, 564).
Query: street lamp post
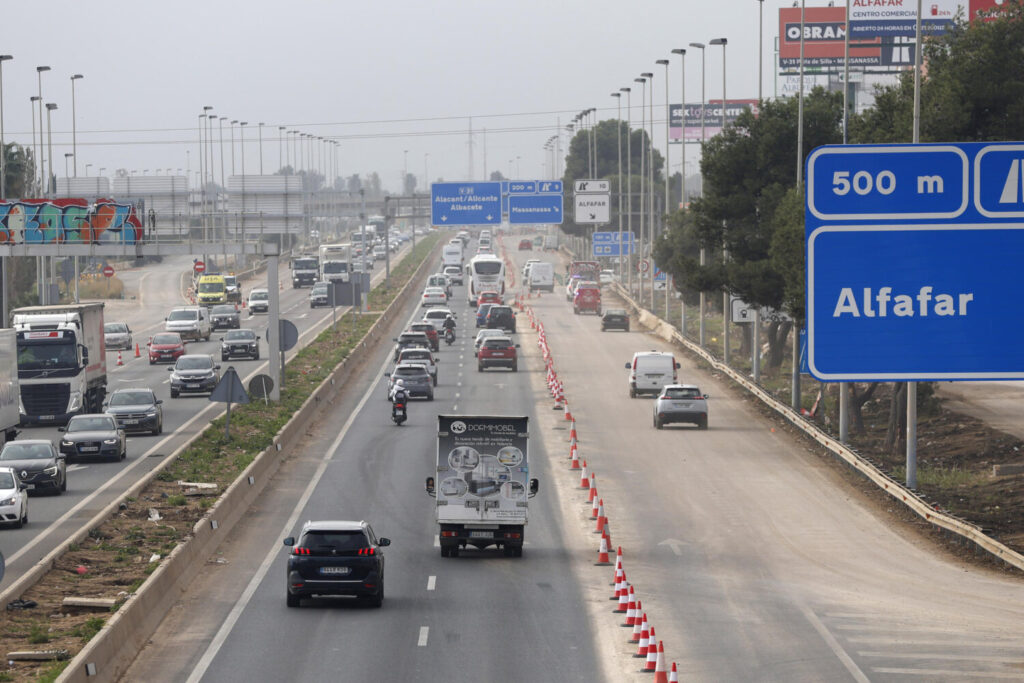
(682, 167)
(725, 253)
(629, 188)
(74, 126)
(50, 106)
(618, 152)
(67, 168)
(668, 115)
(650, 187)
(643, 134)
(3, 169)
(43, 182)
(35, 148)
(280, 146)
(87, 170)
(261, 147)
(702, 333)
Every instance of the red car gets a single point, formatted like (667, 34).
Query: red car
(430, 331)
(525, 245)
(497, 352)
(165, 347)
(587, 298)
(488, 298)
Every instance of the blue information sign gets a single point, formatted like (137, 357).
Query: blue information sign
(522, 187)
(914, 257)
(465, 203)
(535, 208)
(607, 244)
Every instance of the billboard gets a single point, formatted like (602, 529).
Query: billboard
(870, 19)
(824, 40)
(712, 118)
(986, 10)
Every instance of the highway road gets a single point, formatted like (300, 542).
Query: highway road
(92, 485)
(754, 559)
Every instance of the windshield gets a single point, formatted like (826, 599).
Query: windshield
(483, 309)
(26, 451)
(319, 289)
(6, 480)
(131, 398)
(415, 354)
(687, 392)
(615, 311)
(258, 296)
(417, 371)
(487, 267)
(210, 287)
(183, 315)
(91, 424)
(193, 363)
(162, 339)
(51, 356)
(334, 540)
(240, 335)
(222, 310)
(497, 344)
(305, 264)
(335, 267)
(115, 328)
(230, 281)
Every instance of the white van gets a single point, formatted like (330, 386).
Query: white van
(542, 276)
(650, 371)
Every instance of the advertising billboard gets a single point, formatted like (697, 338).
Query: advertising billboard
(712, 118)
(824, 40)
(986, 10)
(871, 19)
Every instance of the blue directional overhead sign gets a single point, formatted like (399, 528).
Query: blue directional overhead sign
(465, 203)
(535, 208)
(607, 244)
(914, 262)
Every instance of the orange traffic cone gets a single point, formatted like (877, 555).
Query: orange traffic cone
(660, 675)
(606, 534)
(618, 560)
(645, 639)
(572, 432)
(620, 584)
(602, 520)
(602, 553)
(624, 600)
(673, 676)
(595, 510)
(593, 489)
(575, 465)
(584, 480)
(568, 415)
(138, 354)
(640, 625)
(632, 609)
(652, 653)
(119, 361)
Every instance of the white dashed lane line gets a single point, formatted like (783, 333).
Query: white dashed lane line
(424, 634)
(431, 582)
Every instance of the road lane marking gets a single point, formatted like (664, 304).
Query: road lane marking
(424, 634)
(834, 645)
(431, 582)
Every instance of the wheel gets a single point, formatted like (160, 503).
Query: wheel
(632, 393)
(703, 424)
(430, 396)
(292, 600)
(519, 551)
(257, 356)
(515, 367)
(174, 394)
(479, 367)
(124, 454)
(435, 380)
(23, 521)
(377, 599)
(152, 362)
(509, 551)
(224, 358)
(64, 483)
(575, 310)
(453, 551)
(627, 328)
(658, 423)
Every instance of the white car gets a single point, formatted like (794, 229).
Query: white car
(259, 301)
(380, 252)
(437, 316)
(606, 277)
(454, 274)
(13, 499)
(484, 334)
(434, 296)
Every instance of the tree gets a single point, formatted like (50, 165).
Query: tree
(409, 187)
(497, 177)
(21, 169)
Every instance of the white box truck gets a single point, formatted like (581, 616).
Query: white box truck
(62, 361)
(10, 398)
(542, 277)
(451, 254)
(482, 484)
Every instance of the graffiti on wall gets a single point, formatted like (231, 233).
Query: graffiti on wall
(68, 221)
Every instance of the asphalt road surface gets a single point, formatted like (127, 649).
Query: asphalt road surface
(753, 558)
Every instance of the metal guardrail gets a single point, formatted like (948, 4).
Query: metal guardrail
(887, 484)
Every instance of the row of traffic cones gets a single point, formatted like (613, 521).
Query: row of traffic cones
(138, 354)
(649, 648)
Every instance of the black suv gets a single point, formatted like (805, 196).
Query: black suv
(240, 343)
(501, 318)
(336, 558)
(408, 340)
(615, 319)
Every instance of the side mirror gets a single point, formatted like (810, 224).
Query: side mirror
(171, 369)
(258, 337)
(517, 346)
(678, 366)
(289, 541)
(628, 366)
(383, 542)
(534, 487)
(430, 487)
(220, 338)
(159, 401)
(216, 367)
(22, 487)
(706, 396)
(62, 429)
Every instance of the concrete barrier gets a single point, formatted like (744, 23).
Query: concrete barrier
(901, 493)
(109, 654)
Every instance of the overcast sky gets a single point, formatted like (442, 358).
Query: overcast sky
(380, 77)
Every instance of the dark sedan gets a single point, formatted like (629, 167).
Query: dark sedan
(225, 316)
(409, 340)
(136, 410)
(336, 558)
(318, 295)
(240, 343)
(615, 319)
(37, 463)
(501, 318)
(93, 436)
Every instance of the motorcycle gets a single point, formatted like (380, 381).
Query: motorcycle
(449, 336)
(398, 414)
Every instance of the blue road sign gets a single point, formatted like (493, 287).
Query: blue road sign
(522, 187)
(610, 249)
(914, 262)
(659, 274)
(465, 203)
(535, 208)
(549, 186)
(613, 237)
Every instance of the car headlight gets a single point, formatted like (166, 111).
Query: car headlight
(9, 501)
(75, 402)
(110, 442)
(151, 413)
(67, 444)
(52, 471)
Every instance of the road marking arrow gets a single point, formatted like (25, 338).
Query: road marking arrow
(675, 545)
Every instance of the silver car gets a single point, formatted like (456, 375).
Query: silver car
(681, 403)
(416, 379)
(117, 336)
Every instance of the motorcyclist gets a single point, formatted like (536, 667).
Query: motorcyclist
(398, 393)
(449, 327)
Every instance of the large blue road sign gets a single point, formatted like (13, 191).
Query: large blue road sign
(607, 244)
(535, 208)
(465, 203)
(914, 262)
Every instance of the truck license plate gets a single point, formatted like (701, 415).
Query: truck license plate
(481, 534)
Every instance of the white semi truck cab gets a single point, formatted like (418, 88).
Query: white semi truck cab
(62, 362)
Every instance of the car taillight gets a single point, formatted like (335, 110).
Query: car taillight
(300, 551)
(366, 551)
